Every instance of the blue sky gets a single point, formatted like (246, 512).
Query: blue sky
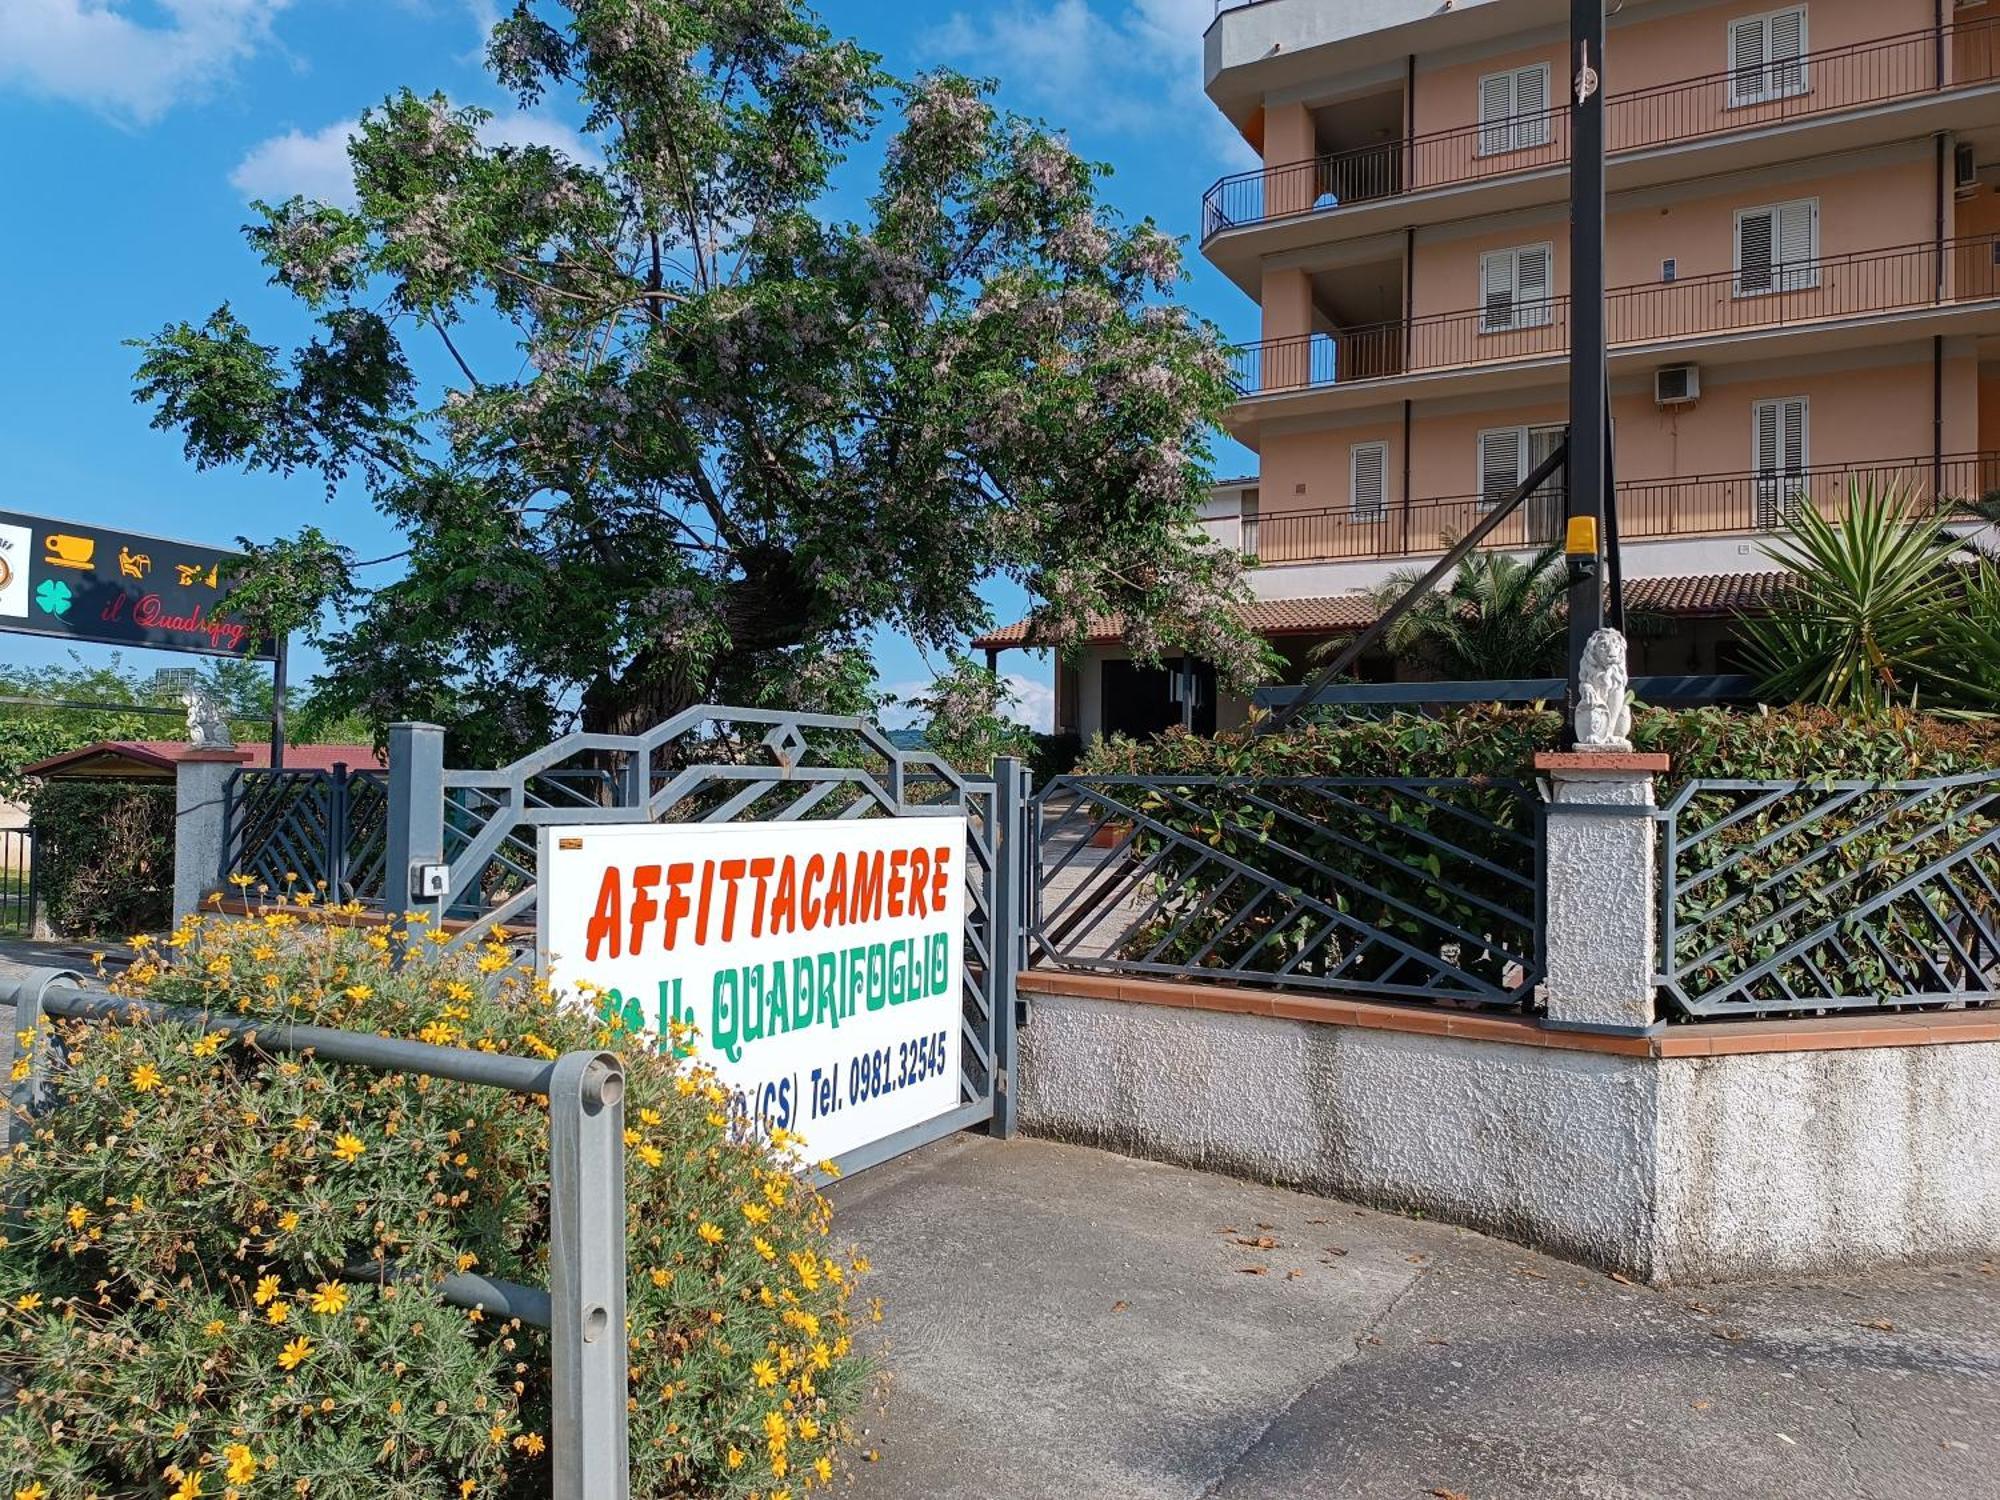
(139, 129)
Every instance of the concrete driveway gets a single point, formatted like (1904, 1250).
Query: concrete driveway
(1067, 1323)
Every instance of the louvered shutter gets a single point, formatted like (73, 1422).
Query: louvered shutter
(1756, 234)
(1547, 505)
(1496, 291)
(1779, 435)
(1531, 286)
(1368, 496)
(1496, 113)
(1786, 45)
(1531, 104)
(1499, 464)
(1746, 60)
(1798, 243)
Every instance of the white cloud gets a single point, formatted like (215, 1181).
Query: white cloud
(99, 54)
(1034, 701)
(1132, 66)
(316, 164)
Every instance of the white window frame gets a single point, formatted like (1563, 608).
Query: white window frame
(1517, 129)
(1356, 511)
(1782, 275)
(1775, 77)
(1523, 312)
(1524, 435)
(1773, 506)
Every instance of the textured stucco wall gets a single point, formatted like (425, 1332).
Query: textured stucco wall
(1550, 1148)
(1599, 963)
(1682, 1170)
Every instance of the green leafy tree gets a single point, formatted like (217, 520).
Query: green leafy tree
(735, 428)
(964, 717)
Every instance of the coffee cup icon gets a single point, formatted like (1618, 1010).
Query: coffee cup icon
(65, 551)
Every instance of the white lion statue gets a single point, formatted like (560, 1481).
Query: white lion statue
(208, 726)
(1604, 695)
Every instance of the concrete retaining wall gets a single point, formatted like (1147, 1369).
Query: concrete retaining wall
(1664, 1169)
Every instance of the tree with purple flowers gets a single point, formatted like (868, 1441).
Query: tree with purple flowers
(740, 431)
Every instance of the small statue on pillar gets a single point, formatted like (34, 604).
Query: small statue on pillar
(1604, 695)
(207, 725)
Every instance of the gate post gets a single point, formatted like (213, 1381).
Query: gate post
(202, 794)
(416, 820)
(1600, 909)
(1007, 912)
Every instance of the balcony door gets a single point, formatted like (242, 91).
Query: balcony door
(1779, 440)
(1507, 456)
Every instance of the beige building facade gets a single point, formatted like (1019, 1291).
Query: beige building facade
(1803, 273)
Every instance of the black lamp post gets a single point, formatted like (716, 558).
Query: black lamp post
(1589, 410)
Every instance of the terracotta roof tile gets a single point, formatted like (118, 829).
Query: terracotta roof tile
(159, 757)
(1704, 594)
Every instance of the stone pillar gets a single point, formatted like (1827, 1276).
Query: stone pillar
(1602, 901)
(200, 787)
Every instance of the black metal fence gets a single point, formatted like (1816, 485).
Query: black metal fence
(1725, 102)
(17, 881)
(320, 831)
(1790, 896)
(1410, 889)
(1690, 505)
(1783, 294)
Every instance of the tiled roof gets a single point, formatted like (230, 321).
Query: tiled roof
(157, 758)
(1702, 594)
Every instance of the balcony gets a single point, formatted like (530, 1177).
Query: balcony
(1935, 60)
(1648, 510)
(1782, 296)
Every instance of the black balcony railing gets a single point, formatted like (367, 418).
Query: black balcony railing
(1839, 78)
(1782, 295)
(1648, 509)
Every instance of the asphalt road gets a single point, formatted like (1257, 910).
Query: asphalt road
(1066, 1323)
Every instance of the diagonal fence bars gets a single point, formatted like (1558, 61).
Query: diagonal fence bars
(1412, 889)
(1834, 895)
(583, 1306)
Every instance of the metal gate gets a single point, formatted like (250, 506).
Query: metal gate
(17, 881)
(706, 765)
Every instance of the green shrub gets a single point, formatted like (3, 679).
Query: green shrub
(1704, 742)
(172, 1318)
(104, 855)
(1425, 892)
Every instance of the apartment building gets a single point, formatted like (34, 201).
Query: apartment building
(1803, 209)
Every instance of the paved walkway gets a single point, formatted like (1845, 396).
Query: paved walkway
(1067, 1323)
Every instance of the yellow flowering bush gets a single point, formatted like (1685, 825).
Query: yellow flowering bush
(174, 1320)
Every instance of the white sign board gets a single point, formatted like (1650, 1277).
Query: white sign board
(820, 962)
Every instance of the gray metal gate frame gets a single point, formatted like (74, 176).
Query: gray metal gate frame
(583, 1306)
(473, 835)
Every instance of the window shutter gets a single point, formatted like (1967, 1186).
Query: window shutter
(1531, 103)
(1496, 112)
(1499, 464)
(1368, 497)
(1787, 48)
(1746, 60)
(1755, 236)
(1531, 286)
(1766, 436)
(1798, 243)
(1793, 451)
(1496, 291)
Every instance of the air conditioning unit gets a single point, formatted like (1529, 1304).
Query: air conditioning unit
(1965, 168)
(1676, 385)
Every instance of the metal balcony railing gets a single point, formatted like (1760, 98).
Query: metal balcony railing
(1782, 295)
(1721, 103)
(1648, 509)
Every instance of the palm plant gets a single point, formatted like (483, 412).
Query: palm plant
(1871, 621)
(1501, 618)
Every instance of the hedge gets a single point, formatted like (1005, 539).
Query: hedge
(104, 856)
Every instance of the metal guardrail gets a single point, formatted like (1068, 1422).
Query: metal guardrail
(583, 1306)
(1412, 889)
(1648, 509)
(1787, 896)
(1725, 102)
(1786, 294)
